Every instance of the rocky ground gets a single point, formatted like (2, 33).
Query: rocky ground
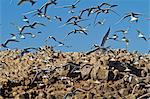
(111, 74)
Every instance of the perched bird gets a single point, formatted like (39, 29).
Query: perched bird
(7, 41)
(22, 1)
(132, 15)
(58, 18)
(69, 95)
(141, 35)
(124, 39)
(105, 38)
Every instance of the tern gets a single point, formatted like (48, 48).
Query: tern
(29, 33)
(100, 22)
(132, 15)
(72, 6)
(105, 38)
(73, 17)
(114, 37)
(123, 31)
(141, 35)
(104, 3)
(25, 19)
(22, 1)
(81, 30)
(26, 50)
(7, 41)
(45, 6)
(124, 39)
(51, 37)
(58, 18)
(13, 36)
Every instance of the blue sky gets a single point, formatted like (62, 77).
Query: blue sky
(79, 42)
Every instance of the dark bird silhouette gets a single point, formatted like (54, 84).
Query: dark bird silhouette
(73, 18)
(100, 22)
(22, 1)
(27, 50)
(81, 30)
(51, 37)
(45, 6)
(89, 10)
(104, 3)
(75, 23)
(29, 33)
(7, 41)
(71, 6)
(27, 26)
(58, 18)
(25, 19)
(123, 31)
(141, 35)
(105, 38)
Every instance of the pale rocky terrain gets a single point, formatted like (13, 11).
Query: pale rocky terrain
(49, 74)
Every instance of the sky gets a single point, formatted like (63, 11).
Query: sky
(12, 13)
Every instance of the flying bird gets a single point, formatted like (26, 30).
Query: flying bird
(25, 19)
(123, 31)
(58, 18)
(73, 17)
(29, 33)
(27, 50)
(114, 37)
(45, 6)
(22, 1)
(141, 35)
(13, 36)
(124, 39)
(72, 6)
(81, 30)
(100, 22)
(132, 15)
(104, 3)
(51, 37)
(105, 38)
(7, 41)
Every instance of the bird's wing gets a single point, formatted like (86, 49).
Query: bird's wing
(114, 12)
(122, 18)
(20, 2)
(105, 37)
(10, 40)
(76, 2)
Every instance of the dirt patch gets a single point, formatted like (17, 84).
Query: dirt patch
(55, 75)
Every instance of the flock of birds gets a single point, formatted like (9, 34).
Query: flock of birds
(103, 7)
